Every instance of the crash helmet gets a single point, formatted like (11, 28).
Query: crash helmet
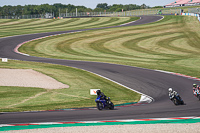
(170, 89)
(195, 85)
(98, 92)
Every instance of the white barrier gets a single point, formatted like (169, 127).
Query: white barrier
(192, 14)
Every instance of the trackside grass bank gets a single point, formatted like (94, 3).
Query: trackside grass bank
(11, 27)
(172, 44)
(80, 81)
(76, 96)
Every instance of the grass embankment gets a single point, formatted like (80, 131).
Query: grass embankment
(11, 27)
(77, 95)
(153, 11)
(80, 82)
(172, 44)
(184, 8)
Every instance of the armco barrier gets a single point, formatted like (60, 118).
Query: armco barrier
(192, 14)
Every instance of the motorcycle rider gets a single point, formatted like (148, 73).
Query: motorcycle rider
(173, 93)
(196, 88)
(99, 93)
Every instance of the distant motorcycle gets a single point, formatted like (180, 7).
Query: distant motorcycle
(198, 94)
(176, 99)
(103, 104)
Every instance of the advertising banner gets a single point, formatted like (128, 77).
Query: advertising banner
(93, 91)
(4, 60)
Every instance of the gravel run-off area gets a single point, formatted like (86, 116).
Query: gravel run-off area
(28, 78)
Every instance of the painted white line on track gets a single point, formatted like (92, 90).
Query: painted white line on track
(180, 75)
(19, 45)
(130, 22)
(160, 19)
(147, 98)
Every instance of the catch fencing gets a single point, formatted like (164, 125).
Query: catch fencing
(123, 14)
(96, 14)
(194, 10)
(45, 16)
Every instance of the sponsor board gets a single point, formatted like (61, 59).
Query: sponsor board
(93, 91)
(4, 59)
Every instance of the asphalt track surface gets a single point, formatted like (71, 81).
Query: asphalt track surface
(149, 82)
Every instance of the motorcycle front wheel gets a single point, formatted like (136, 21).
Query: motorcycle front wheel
(175, 101)
(99, 106)
(111, 106)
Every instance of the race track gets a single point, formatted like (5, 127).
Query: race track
(149, 82)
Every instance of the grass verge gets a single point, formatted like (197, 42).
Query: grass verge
(30, 26)
(77, 95)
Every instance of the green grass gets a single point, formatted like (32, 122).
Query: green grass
(80, 82)
(28, 26)
(172, 44)
(77, 95)
(184, 8)
(164, 10)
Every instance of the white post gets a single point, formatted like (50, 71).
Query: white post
(59, 12)
(76, 12)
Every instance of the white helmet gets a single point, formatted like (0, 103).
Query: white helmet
(170, 89)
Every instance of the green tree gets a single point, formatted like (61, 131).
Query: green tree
(98, 10)
(118, 10)
(103, 6)
(57, 8)
(143, 6)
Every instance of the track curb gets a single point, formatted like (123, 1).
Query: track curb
(23, 126)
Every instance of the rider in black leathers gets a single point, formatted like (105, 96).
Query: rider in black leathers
(99, 93)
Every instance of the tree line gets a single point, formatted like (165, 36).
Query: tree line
(57, 8)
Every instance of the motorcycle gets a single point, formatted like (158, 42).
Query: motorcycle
(176, 99)
(198, 94)
(103, 104)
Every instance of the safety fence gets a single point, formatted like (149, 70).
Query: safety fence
(123, 14)
(47, 15)
(194, 10)
(96, 14)
(191, 12)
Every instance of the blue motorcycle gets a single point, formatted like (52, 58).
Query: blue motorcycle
(104, 104)
(176, 99)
